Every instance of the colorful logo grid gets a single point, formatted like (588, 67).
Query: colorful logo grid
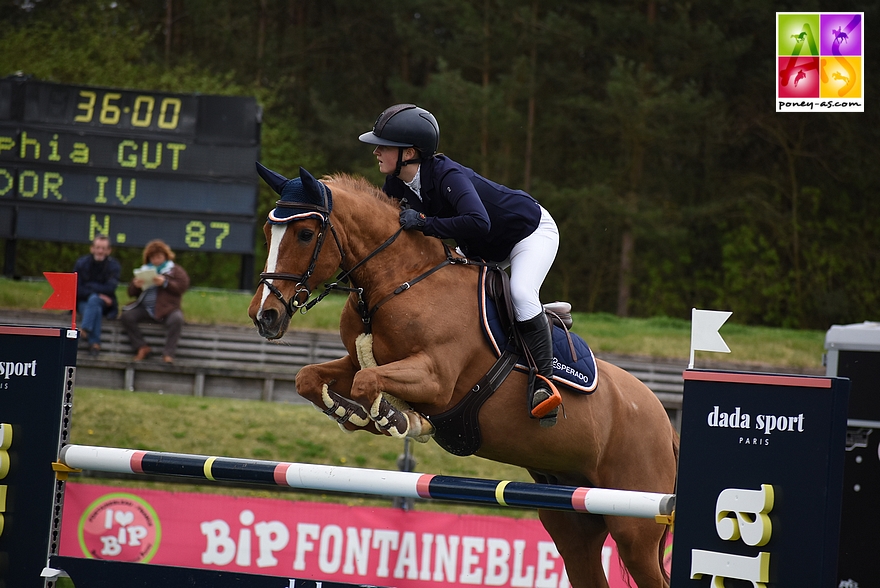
(820, 62)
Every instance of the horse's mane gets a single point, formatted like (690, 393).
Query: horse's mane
(360, 185)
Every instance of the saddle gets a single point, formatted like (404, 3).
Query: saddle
(496, 285)
(457, 430)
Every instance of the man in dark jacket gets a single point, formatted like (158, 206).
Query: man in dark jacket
(97, 275)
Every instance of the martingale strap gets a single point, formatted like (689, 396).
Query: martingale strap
(346, 275)
(450, 260)
(367, 316)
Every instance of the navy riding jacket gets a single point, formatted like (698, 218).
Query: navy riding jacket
(485, 219)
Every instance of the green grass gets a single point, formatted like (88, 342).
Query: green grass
(257, 430)
(208, 306)
(659, 337)
(669, 338)
(229, 307)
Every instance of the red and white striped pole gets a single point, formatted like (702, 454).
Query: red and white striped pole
(600, 501)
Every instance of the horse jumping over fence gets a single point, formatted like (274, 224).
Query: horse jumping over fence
(416, 349)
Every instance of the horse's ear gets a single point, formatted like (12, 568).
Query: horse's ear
(318, 189)
(275, 180)
(309, 182)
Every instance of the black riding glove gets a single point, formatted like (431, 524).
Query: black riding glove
(412, 219)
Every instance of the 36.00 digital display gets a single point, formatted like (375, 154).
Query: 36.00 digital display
(109, 107)
(134, 164)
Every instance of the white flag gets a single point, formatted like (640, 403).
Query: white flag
(704, 331)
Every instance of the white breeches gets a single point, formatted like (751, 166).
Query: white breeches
(529, 262)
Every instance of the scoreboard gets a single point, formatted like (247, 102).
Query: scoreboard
(134, 165)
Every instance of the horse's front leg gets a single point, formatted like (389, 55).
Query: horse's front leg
(326, 384)
(411, 380)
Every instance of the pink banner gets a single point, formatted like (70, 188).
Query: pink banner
(379, 546)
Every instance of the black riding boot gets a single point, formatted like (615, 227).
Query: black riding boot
(544, 398)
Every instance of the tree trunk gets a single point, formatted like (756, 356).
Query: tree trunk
(294, 42)
(530, 124)
(404, 64)
(790, 142)
(484, 119)
(169, 21)
(628, 239)
(261, 40)
(624, 284)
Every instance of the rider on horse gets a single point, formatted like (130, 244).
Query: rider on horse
(447, 200)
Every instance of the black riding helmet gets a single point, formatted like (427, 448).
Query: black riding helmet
(405, 125)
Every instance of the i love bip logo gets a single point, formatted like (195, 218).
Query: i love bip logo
(820, 62)
(120, 527)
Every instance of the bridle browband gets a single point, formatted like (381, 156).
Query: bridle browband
(292, 305)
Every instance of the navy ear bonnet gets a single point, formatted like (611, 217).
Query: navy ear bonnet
(302, 197)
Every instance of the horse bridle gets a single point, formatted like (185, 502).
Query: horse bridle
(292, 305)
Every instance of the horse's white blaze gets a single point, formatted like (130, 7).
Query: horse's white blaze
(277, 233)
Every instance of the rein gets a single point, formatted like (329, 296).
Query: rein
(346, 276)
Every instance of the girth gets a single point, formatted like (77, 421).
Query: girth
(458, 430)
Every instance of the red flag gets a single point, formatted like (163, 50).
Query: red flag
(64, 295)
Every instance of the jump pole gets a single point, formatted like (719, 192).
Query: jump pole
(599, 501)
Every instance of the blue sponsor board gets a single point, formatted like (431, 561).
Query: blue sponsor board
(37, 369)
(760, 480)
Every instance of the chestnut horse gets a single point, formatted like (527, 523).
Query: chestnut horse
(427, 349)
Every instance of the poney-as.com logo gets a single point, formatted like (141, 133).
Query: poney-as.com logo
(820, 62)
(119, 527)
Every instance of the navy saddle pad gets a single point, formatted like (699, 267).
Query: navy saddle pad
(575, 371)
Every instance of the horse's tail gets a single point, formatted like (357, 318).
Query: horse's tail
(662, 549)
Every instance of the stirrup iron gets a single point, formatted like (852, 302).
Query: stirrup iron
(545, 398)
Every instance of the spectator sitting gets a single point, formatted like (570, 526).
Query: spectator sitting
(97, 275)
(158, 300)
